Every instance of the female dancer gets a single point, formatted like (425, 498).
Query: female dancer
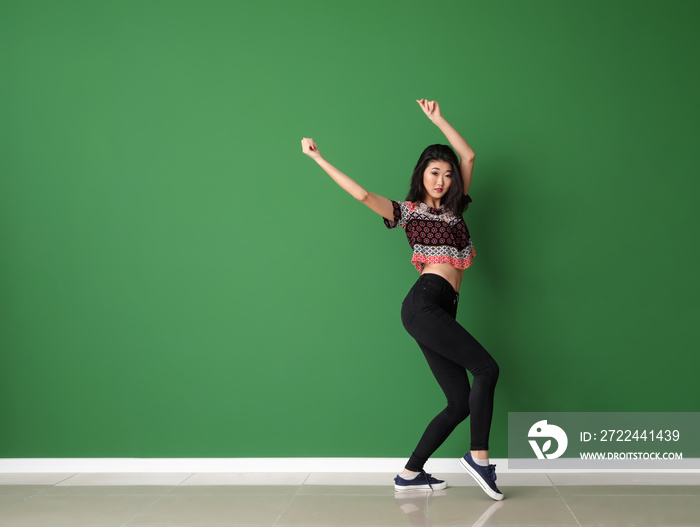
(442, 249)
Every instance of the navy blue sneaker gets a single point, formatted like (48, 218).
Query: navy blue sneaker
(422, 481)
(484, 476)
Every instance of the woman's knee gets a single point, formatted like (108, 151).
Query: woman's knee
(456, 412)
(495, 370)
(489, 370)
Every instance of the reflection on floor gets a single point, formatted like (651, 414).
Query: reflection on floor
(357, 500)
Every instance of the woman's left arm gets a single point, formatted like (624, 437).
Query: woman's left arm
(464, 151)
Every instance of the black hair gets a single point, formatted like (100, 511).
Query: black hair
(455, 201)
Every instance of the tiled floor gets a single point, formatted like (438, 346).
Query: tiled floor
(359, 500)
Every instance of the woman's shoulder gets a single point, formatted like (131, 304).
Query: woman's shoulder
(409, 206)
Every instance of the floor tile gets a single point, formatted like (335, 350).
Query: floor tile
(347, 499)
(540, 506)
(11, 495)
(461, 479)
(32, 479)
(106, 490)
(637, 511)
(357, 490)
(504, 480)
(209, 510)
(116, 479)
(23, 491)
(73, 511)
(342, 511)
(244, 478)
(351, 478)
(237, 490)
(454, 479)
(625, 478)
(629, 490)
(510, 479)
(414, 505)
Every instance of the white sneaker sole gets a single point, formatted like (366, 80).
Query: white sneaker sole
(484, 486)
(404, 488)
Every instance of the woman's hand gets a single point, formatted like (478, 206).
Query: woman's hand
(310, 149)
(431, 109)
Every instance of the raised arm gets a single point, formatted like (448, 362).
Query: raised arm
(461, 147)
(377, 203)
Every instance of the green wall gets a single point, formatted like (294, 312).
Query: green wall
(178, 280)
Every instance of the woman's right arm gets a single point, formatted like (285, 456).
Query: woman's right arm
(377, 203)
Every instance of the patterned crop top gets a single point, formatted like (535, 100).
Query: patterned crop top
(435, 235)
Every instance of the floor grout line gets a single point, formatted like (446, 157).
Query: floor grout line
(64, 479)
(279, 517)
(145, 508)
(564, 500)
(185, 480)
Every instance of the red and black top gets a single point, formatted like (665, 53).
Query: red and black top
(435, 235)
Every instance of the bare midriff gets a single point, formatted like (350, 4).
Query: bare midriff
(449, 273)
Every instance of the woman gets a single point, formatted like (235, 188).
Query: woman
(442, 249)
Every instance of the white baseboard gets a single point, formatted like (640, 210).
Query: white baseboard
(265, 465)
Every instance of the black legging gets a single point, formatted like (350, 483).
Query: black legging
(428, 314)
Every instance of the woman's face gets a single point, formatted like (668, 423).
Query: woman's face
(437, 179)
